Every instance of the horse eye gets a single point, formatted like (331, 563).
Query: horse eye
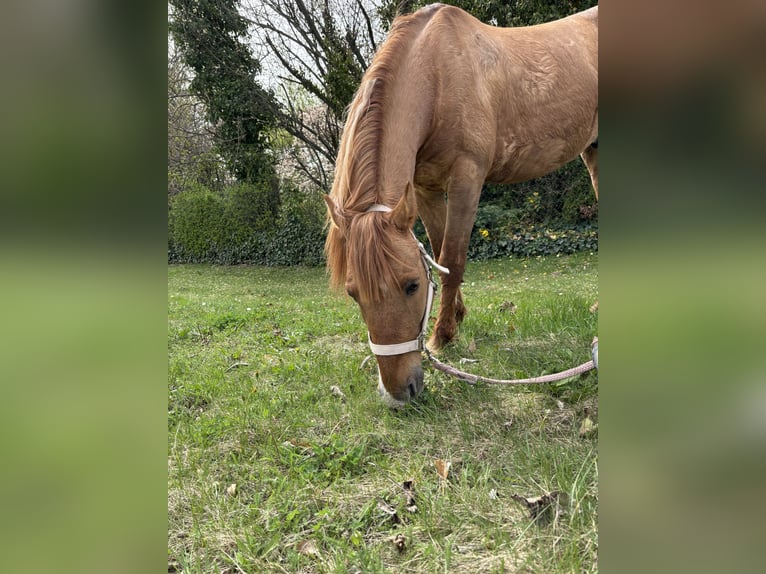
(411, 288)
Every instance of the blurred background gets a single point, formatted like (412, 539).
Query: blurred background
(682, 317)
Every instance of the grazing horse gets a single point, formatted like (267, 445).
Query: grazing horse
(447, 104)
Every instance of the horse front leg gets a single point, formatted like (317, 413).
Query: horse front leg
(460, 309)
(432, 209)
(461, 212)
(590, 158)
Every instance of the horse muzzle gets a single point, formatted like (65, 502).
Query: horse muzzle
(401, 393)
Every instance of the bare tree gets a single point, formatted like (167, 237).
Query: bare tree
(191, 155)
(317, 49)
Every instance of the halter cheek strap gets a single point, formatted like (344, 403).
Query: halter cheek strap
(416, 344)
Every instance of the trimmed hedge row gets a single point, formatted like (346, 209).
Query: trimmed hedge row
(238, 226)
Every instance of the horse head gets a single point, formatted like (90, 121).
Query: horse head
(387, 275)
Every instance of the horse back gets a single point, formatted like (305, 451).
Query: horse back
(521, 101)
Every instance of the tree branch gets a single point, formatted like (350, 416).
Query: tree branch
(368, 21)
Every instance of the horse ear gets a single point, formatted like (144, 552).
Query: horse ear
(335, 214)
(405, 212)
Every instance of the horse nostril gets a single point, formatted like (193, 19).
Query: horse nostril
(415, 382)
(415, 387)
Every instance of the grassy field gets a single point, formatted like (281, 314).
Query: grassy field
(270, 469)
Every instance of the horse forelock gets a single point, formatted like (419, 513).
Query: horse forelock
(365, 253)
(372, 257)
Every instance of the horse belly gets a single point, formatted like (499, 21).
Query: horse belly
(514, 163)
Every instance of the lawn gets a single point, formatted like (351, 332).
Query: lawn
(282, 457)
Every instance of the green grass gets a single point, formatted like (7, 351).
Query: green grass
(320, 479)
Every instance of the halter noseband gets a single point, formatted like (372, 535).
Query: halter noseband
(416, 344)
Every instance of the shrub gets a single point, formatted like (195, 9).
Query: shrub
(196, 225)
(240, 225)
(295, 242)
(250, 207)
(554, 199)
(245, 224)
(533, 240)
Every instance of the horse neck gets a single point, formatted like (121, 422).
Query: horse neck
(407, 123)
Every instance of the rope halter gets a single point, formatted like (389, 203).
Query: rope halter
(419, 343)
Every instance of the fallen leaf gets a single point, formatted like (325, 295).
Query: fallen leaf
(442, 468)
(587, 427)
(399, 542)
(308, 548)
(507, 306)
(297, 443)
(389, 510)
(231, 490)
(409, 493)
(539, 505)
(335, 390)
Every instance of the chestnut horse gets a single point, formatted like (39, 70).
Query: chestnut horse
(447, 104)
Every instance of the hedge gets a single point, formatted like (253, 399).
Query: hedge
(532, 241)
(236, 227)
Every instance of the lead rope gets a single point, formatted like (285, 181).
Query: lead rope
(473, 379)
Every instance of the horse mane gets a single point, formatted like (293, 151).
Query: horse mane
(365, 246)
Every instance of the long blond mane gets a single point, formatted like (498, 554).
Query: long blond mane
(365, 247)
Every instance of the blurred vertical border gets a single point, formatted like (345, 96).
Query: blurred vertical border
(682, 282)
(83, 258)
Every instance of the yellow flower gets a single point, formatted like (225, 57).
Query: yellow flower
(484, 233)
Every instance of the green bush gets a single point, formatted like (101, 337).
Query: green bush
(563, 197)
(240, 225)
(533, 240)
(556, 213)
(295, 242)
(249, 207)
(245, 224)
(196, 225)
